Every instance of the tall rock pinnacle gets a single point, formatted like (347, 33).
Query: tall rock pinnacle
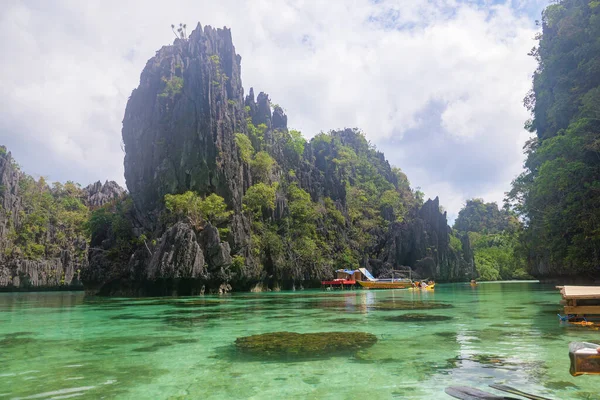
(179, 123)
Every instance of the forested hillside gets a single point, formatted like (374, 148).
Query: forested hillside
(43, 228)
(558, 195)
(494, 235)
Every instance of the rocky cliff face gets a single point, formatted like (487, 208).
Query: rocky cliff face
(10, 201)
(179, 125)
(58, 273)
(59, 253)
(98, 194)
(423, 244)
(178, 132)
(181, 130)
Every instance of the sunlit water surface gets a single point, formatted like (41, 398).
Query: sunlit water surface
(65, 345)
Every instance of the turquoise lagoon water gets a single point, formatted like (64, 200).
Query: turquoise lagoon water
(66, 345)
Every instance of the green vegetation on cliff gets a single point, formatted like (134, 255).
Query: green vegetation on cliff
(558, 195)
(110, 226)
(196, 210)
(494, 236)
(315, 235)
(309, 237)
(50, 220)
(172, 87)
(481, 217)
(44, 229)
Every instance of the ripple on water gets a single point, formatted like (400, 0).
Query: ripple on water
(189, 322)
(93, 380)
(586, 395)
(446, 335)
(16, 339)
(347, 321)
(165, 343)
(136, 317)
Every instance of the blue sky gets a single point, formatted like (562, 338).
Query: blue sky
(437, 85)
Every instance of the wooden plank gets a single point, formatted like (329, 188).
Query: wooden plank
(582, 310)
(581, 292)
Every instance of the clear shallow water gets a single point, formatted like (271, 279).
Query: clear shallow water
(63, 345)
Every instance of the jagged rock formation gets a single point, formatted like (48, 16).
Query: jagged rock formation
(423, 243)
(183, 255)
(60, 253)
(183, 140)
(181, 131)
(10, 201)
(179, 256)
(98, 194)
(47, 274)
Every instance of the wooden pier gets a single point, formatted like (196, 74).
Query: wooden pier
(581, 300)
(341, 283)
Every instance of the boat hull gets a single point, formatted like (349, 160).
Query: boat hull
(385, 285)
(338, 282)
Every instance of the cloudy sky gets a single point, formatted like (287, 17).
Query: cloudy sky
(436, 85)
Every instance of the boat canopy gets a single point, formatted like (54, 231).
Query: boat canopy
(346, 271)
(367, 274)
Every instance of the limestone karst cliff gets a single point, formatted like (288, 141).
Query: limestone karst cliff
(296, 210)
(43, 239)
(98, 194)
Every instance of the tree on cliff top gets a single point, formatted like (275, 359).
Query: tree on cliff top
(478, 216)
(181, 31)
(494, 237)
(196, 210)
(259, 197)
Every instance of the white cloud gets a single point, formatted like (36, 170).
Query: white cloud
(374, 65)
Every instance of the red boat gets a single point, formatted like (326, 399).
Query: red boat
(344, 278)
(338, 282)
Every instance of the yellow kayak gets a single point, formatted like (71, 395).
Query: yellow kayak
(428, 287)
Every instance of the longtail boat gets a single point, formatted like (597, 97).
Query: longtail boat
(386, 284)
(374, 283)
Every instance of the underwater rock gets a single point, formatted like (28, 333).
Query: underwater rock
(187, 322)
(410, 305)
(304, 345)
(418, 318)
(345, 321)
(560, 385)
